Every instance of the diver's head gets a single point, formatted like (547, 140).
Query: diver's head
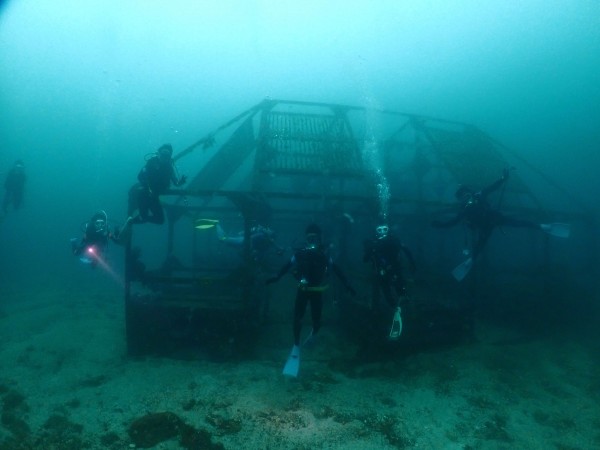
(381, 231)
(463, 193)
(100, 221)
(313, 236)
(165, 152)
(100, 225)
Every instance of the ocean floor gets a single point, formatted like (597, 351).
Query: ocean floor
(66, 382)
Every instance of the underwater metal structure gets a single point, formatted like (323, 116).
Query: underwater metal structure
(285, 163)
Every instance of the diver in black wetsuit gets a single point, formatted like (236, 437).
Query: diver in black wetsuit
(95, 239)
(154, 179)
(482, 219)
(262, 240)
(479, 215)
(383, 253)
(14, 186)
(311, 266)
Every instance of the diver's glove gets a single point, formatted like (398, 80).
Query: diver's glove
(208, 142)
(505, 173)
(182, 180)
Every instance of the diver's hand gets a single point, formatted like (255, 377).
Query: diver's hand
(437, 223)
(351, 290)
(208, 142)
(505, 173)
(182, 180)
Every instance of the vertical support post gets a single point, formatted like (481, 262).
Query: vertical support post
(129, 328)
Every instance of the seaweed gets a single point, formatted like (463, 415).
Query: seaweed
(189, 405)
(154, 428)
(193, 439)
(14, 400)
(59, 432)
(111, 440)
(17, 426)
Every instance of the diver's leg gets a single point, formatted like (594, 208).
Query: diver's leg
(221, 235)
(17, 200)
(386, 290)
(482, 238)
(399, 287)
(299, 310)
(517, 223)
(375, 294)
(316, 308)
(134, 198)
(158, 215)
(143, 207)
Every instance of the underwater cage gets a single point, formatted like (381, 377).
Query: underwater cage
(284, 164)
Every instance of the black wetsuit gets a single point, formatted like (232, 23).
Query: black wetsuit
(154, 180)
(311, 267)
(384, 255)
(94, 239)
(14, 186)
(482, 219)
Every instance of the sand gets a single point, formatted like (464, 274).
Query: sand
(66, 382)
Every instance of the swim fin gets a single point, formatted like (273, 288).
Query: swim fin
(461, 271)
(396, 329)
(292, 364)
(205, 224)
(562, 230)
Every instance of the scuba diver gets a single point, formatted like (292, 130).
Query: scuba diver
(310, 266)
(383, 253)
(262, 239)
(256, 211)
(14, 186)
(94, 241)
(154, 179)
(481, 219)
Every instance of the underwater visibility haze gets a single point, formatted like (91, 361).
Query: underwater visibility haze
(89, 89)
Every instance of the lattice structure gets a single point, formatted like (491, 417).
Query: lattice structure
(298, 161)
(470, 156)
(292, 143)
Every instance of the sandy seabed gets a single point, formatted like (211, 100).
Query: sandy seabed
(66, 382)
